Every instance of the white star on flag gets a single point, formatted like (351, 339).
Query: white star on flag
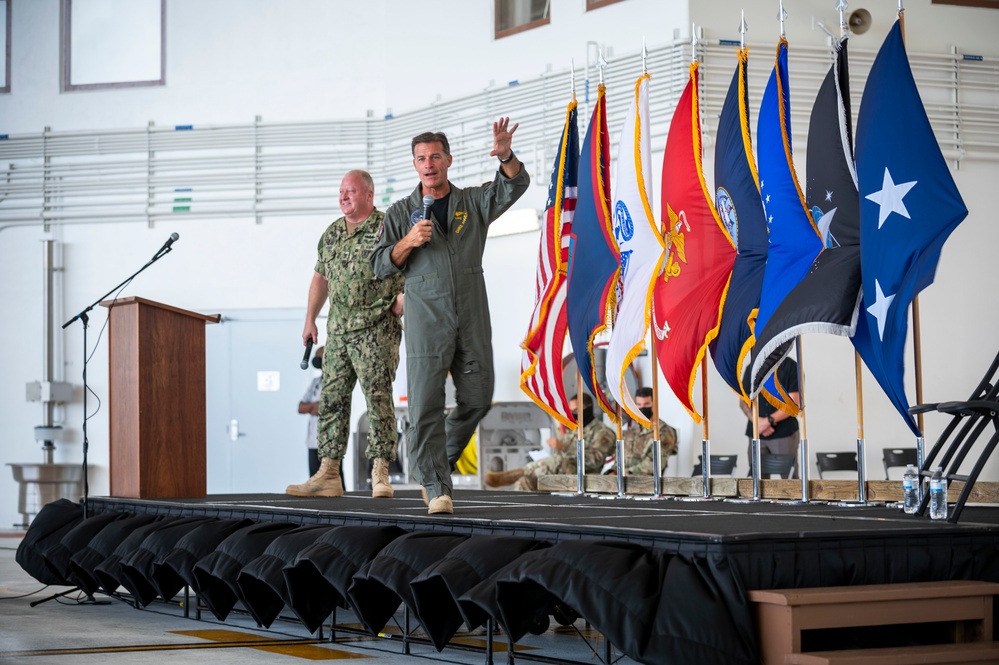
(828, 195)
(890, 198)
(879, 310)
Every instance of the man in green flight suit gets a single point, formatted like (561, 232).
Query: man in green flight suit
(598, 443)
(447, 314)
(363, 334)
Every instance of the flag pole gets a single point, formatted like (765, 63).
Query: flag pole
(580, 465)
(657, 447)
(917, 347)
(803, 444)
(705, 439)
(619, 453)
(861, 454)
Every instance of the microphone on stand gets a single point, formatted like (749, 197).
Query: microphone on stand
(174, 237)
(428, 201)
(308, 352)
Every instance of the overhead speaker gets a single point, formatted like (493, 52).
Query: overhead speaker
(859, 21)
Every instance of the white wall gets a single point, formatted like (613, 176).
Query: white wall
(230, 60)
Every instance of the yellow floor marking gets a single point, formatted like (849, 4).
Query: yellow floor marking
(309, 652)
(306, 650)
(498, 646)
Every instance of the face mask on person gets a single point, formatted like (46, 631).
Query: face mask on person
(587, 415)
(646, 411)
(317, 362)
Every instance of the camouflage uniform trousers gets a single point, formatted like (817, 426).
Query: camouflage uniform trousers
(598, 443)
(638, 448)
(369, 356)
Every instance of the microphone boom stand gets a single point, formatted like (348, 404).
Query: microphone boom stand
(84, 317)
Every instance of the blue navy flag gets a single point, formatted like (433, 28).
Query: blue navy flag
(826, 299)
(593, 257)
(909, 205)
(737, 199)
(794, 238)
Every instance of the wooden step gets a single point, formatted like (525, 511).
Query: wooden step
(966, 652)
(783, 615)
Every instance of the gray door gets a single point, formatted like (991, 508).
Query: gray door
(256, 437)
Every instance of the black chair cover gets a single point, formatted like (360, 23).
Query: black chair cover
(83, 562)
(379, 588)
(262, 582)
(436, 590)
(319, 578)
(216, 573)
(51, 523)
(176, 568)
(137, 571)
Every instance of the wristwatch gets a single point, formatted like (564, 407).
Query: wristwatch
(770, 419)
(507, 160)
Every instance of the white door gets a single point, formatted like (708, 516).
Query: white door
(256, 437)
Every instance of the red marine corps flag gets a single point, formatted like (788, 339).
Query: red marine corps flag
(541, 365)
(690, 292)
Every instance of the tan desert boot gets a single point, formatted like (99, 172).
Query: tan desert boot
(326, 482)
(380, 486)
(441, 505)
(502, 478)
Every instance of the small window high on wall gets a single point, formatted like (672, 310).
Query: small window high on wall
(5, 45)
(513, 16)
(113, 44)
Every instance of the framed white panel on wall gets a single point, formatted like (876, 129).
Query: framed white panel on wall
(113, 44)
(5, 45)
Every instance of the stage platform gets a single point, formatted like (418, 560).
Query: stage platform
(665, 580)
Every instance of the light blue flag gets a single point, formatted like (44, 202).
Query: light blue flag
(794, 239)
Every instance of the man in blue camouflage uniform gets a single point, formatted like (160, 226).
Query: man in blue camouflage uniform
(447, 313)
(362, 344)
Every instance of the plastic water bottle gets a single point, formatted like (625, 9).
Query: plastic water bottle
(910, 491)
(938, 495)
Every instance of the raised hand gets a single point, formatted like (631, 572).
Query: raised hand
(502, 138)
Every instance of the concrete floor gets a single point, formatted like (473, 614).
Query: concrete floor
(66, 632)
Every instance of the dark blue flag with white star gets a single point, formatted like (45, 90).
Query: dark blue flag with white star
(909, 205)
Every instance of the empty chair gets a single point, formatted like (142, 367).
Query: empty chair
(771, 463)
(836, 462)
(720, 465)
(898, 457)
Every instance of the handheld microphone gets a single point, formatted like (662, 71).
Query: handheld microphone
(428, 201)
(308, 352)
(174, 237)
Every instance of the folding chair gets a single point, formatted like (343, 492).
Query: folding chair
(771, 463)
(835, 462)
(720, 465)
(956, 441)
(894, 457)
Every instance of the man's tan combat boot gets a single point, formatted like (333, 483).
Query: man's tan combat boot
(380, 486)
(326, 482)
(502, 478)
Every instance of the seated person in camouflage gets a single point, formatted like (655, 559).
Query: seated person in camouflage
(638, 440)
(598, 443)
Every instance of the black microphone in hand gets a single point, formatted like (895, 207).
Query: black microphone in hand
(308, 352)
(428, 201)
(174, 237)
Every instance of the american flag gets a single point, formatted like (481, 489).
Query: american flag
(541, 363)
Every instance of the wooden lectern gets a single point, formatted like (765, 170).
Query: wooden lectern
(157, 399)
